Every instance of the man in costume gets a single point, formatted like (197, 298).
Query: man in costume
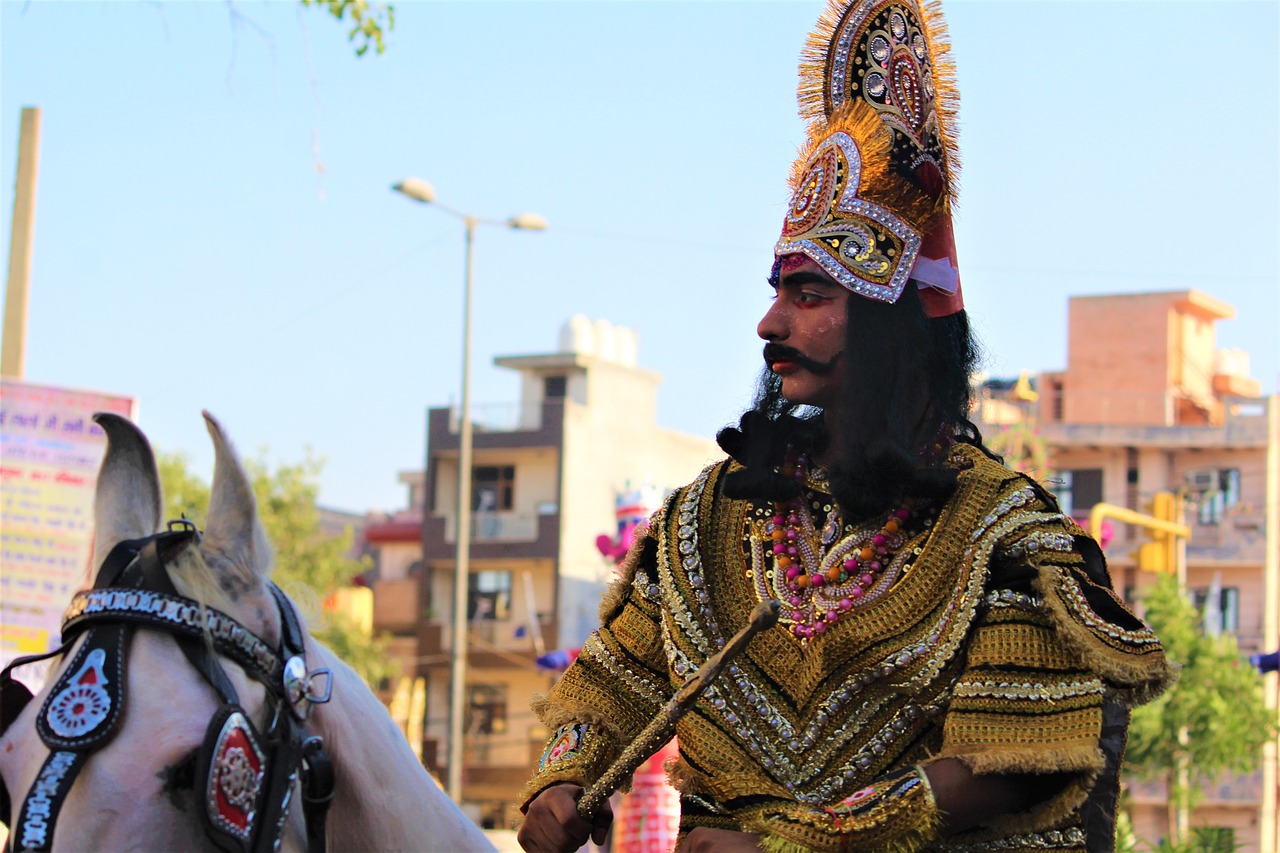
(952, 670)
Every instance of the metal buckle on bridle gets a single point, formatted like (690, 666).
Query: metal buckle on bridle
(184, 525)
(300, 687)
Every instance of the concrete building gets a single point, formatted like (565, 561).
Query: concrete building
(548, 473)
(1148, 404)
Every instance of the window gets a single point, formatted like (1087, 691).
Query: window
(486, 709)
(1225, 495)
(1079, 490)
(1055, 400)
(489, 595)
(492, 487)
(1228, 618)
(554, 387)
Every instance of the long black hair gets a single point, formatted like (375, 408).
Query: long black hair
(906, 385)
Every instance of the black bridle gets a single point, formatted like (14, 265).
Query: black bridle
(244, 778)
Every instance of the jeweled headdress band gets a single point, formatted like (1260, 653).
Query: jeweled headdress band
(873, 187)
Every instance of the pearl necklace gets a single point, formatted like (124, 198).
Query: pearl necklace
(818, 599)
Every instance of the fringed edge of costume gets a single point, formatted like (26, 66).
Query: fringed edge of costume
(555, 713)
(1132, 679)
(911, 841)
(990, 760)
(684, 778)
(1087, 763)
(946, 90)
(617, 593)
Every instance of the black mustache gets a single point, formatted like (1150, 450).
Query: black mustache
(781, 352)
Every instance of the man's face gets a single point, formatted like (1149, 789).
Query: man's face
(805, 330)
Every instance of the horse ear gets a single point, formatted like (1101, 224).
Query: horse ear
(233, 535)
(127, 502)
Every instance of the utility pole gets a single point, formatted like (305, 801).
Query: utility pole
(13, 356)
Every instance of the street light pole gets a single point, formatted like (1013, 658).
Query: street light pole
(462, 538)
(423, 192)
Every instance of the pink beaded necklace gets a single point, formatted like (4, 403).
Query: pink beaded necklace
(817, 599)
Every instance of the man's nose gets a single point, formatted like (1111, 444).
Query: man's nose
(772, 326)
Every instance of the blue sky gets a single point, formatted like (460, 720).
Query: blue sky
(215, 228)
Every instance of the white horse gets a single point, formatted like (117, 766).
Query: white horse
(139, 791)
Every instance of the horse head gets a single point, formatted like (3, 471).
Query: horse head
(180, 715)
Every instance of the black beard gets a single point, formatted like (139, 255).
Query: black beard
(781, 352)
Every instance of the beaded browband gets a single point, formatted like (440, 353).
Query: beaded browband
(180, 616)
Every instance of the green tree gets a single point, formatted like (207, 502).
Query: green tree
(310, 564)
(1212, 720)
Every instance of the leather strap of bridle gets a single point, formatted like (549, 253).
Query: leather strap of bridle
(317, 791)
(317, 768)
(34, 826)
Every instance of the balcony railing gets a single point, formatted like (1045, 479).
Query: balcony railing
(496, 527)
(494, 536)
(500, 417)
(489, 644)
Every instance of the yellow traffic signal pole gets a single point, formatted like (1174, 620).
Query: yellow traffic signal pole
(1177, 555)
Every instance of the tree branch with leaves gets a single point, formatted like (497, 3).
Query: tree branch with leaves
(370, 22)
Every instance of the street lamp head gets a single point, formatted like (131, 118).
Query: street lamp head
(528, 222)
(416, 189)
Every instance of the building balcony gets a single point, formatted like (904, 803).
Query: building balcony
(494, 536)
(490, 645)
(1244, 426)
(498, 427)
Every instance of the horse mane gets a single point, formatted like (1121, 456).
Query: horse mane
(193, 578)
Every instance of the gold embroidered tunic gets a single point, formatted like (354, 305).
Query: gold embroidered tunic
(992, 636)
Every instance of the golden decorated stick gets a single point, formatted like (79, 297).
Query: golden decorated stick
(663, 726)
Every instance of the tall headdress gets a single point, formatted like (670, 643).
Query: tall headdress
(874, 183)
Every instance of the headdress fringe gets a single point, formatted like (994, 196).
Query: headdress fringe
(812, 94)
(946, 90)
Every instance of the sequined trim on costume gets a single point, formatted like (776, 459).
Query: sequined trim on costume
(1021, 691)
(1009, 598)
(861, 266)
(1071, 595)
(1066, 839)
(596, 650)
(1042, 541)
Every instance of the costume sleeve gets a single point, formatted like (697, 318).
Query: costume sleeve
(1051, 645)
(617, 684)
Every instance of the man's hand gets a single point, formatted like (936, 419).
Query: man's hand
(704, 840)
(552, 823)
